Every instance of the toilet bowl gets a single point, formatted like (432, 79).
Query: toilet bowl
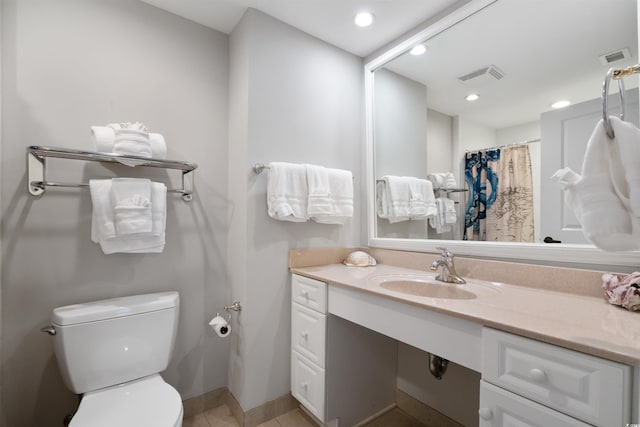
(112, 352)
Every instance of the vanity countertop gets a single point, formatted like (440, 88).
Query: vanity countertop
(582, 323)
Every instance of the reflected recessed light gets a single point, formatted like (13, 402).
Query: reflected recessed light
(364, 19)
(472, 97)
(561, 104)
(418, 50)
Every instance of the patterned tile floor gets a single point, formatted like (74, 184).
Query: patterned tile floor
(221, 417)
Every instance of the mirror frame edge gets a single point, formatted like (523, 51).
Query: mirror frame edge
(566, 253)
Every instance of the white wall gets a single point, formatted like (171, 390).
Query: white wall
(69, 64)
(400, 106)
(297, 99)
(439, 142)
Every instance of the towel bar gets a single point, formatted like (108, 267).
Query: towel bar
(36, 165)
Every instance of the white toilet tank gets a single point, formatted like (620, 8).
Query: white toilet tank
(108, 342)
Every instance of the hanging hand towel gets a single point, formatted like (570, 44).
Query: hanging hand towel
(398, 197)
(601, 207)
(131, 200)
(330, 195)
(152, 242)
(422, 202)
(287, 192)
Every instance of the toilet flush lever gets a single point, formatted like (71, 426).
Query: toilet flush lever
(48, 329)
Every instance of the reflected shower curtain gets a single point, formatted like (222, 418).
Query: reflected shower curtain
(500, 201)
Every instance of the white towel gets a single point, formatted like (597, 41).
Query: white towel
(152, 242)
(398, 196)
(131, 201)
(287, 192)
(330, 194)
(446, 215)
(603, 208)
(442, 180)
(103, 229)
(104, 139)
(422, 202)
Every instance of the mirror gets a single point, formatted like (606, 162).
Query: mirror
(519, 58)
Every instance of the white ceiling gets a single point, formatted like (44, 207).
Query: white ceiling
(328, 20)
(548, 50)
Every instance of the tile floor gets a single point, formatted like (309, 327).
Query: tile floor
(221, 417)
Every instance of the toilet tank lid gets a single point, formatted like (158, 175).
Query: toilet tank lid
(114, 307)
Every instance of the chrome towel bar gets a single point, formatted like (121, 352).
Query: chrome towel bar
(36, 164)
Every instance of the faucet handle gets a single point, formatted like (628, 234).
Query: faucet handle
(446, 253)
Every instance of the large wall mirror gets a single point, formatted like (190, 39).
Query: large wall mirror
(478, 86)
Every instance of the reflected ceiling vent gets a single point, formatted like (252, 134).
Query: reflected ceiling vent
(481, 77)
(616, 55)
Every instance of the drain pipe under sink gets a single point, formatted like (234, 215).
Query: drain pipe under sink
(437, 366)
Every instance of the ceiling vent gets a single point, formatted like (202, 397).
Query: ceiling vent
(615, 56)
(481, 77)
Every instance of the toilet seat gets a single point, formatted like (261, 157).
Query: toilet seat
(149, 401)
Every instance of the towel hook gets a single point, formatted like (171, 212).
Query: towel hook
(616, 74)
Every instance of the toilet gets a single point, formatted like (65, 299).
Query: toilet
(112, 352)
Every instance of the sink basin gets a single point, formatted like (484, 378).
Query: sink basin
(423, 285)
(427, 288)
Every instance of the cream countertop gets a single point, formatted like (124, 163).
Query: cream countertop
(582, 323)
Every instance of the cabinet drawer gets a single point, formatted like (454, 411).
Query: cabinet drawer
(309, 292)
(589, 388)
(307, 384)
(500, 408)
(308, 332)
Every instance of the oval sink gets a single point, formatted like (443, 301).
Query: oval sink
(427, 288)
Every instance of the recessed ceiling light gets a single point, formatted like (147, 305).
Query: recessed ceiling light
(561, 104)
(418, 50)
(364, 19)
(472, 97)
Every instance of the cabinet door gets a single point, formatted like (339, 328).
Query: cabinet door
(500, 408)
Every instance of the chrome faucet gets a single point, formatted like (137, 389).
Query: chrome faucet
(447, 269)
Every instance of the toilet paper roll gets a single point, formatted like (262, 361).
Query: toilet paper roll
(221, 326)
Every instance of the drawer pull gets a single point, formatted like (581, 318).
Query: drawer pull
(305, 335)
(304, 385)
(537, 375)
(485, 413)
(305, 294)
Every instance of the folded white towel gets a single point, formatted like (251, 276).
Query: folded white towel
(446, 215)
(152, 242)
(442, 180)
(398, 196)
(330, 194)
(131, 200)
(103, 230)
(104, 139)
(422, 202)
(158, 146)
(287, 192)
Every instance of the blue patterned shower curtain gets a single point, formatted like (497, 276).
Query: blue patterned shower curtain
(482, 182)
(500, 203)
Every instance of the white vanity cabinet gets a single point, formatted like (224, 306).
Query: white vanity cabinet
(528, 382)
(308, 342)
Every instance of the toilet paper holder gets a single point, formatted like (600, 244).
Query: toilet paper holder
(235, 306)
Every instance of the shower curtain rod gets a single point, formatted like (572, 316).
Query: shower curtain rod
(504, 145)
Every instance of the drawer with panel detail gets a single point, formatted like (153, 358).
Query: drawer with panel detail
(308, 384)
(308, 332)
(309, 292)
(586, 387)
